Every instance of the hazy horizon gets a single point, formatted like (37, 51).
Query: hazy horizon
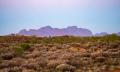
(95, 15)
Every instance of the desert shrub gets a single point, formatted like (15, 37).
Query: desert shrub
(112, 68)
(19, 51)
(15, 69)
(75, 62)
(5, 50)
(25, 46)
(110, 38)
(100, 59)
(42, 62)
(80, 61)
(105, 54)
(54, 63)
(31, 65)
(7, 56)
(115, 54)
(86, 54)
(65, 68)
(33, 41)
(113, 61)
(1, 50)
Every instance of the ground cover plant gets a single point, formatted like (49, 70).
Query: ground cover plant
(60, 54)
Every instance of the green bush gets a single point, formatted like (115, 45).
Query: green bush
(25, 46)
(19, 51)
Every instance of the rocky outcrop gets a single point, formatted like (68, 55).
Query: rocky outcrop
(49, 31)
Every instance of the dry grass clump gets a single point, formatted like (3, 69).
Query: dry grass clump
(65, 68)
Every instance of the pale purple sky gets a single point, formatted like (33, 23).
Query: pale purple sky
(58, 3)
(96, 15)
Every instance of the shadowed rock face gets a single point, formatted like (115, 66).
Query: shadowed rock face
(49, 31)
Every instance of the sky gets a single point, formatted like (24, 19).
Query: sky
(96, 15)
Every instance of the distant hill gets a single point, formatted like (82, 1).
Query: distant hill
(70, 31)
(118, 33)
(105, 33)
(101, 34)
(49, 31)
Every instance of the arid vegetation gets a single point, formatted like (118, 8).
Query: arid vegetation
(59, 54)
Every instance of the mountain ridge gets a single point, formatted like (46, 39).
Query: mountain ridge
(49, 31)
(70, 31)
